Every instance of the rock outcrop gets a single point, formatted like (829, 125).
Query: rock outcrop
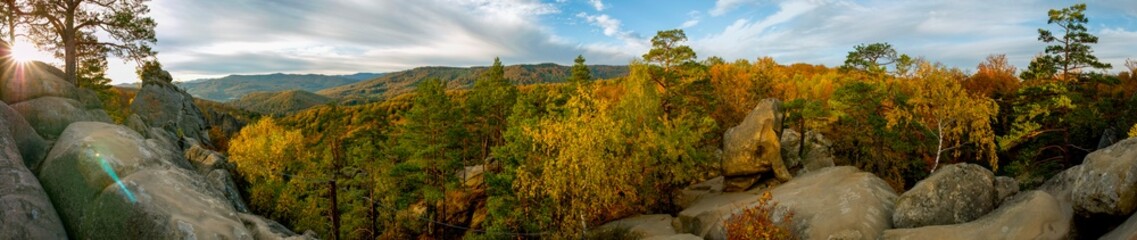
(1108, 181)
(1030, 215)
(50, 115)
(33, 80)
(161, 104)
(753, 147)
(26, 211)
(955, 194)
(816, 154)
(31, 145)
(645, 226)
(836, 203)
(107, 182)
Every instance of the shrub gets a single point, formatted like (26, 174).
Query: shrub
(757, 222)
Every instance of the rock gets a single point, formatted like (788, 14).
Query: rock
(817, 154)
(646, 226)
(693, 193)
(1005, 187)
(954, 194)
(836, 203)
(31, 145)
(163, 105)
(265, 229)
(1108, 181)
(26, 211)
(205, 160)
(50, 115)
(89, 98)
(31, 81)
(134, 122)
(753, 146)
(685, 236)
(1126, 231)
(1030, 215)
(706, 216)
(107, 183)
(464, 203)
(222, 181)
(740, 183)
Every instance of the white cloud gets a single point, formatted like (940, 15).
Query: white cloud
(598, 4)
(611, 27)
(693, 19)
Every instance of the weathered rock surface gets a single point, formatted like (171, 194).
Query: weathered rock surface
(1030, 215)
(689, 195)
(954, 194)
(205, 160)
(646, 226)
(817, 153)
(31, 145)
(264, 229)
(161, 104)
(706, 216)
(222, 181)
(31, 81)
(25, 209)
(50, 115)
(1005, 187)
(836, 203)
(753, 147)
(1126, 231)
(107, 183)
(1108, 181)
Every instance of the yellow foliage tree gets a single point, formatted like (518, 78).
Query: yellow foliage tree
(263, 149)
(954, 117)
(1133, 131)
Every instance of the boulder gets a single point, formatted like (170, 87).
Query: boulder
(161, 104)
(706, 216)
(836, 203)
(265, 229)
(689, 195)
(1005, 187)
(685, 236)
(956, 193)
(31, 81)
(1108, 181)
(1126, 231)
(25, 209)
(31, 145)
(222, 181)
(107, 183)
(753, 147)
(1029, 215)
(646, 226)
(50, 115)
(817, 154)
(205, 160)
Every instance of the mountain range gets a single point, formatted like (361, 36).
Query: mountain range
(232, 87)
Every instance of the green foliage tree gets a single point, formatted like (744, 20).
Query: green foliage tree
(67, 25)
(580, 72)
(871, 58)
(429, 138)
(1070, 52)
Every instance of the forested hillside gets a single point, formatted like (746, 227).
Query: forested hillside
(279, 103)
(396, 83)
(235, 86)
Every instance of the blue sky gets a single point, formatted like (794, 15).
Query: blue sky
(213, 38)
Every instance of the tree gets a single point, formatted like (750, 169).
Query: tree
(580, 72)
(995, 78)
(429, 137)
(1071, 52)
(668, 53)
(66, 26)
(489, 104)
(871, 58)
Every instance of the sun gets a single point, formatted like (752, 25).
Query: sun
(23, 51)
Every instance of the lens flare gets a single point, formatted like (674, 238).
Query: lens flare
(110, 172)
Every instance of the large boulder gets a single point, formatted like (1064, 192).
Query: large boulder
(25, 210)
(646, 226)
(816, 154)
(107, 183)
(1030, 215)
(33, 80)
(956, 193)
(31, 145)
(690, 194)
(836, 203)
(1126, 231)
(265, 229)
(50, 115)
(1108, 181)
(161, 104)
(706, 217)
(753, 148)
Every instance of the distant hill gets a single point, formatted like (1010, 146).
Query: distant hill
(279, 103)
(395, 83)
(361, 76)
(234, 86)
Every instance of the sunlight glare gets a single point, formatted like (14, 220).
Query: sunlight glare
(23, 51)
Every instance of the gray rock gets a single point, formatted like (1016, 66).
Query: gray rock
(205, 160)
(689, 195)
(1005, 187)
(1127, 230)
(836, 203)
(706, 216)
(31, 145)
(265, 229)
(646, 226)
(107, 183)
(222, 181)
(25, 210)
(163, 105)
(34, 80)
(50, 115)
(1030, 215)
(817, 154)
(1108, 181)
(954, 194)
(753, 146)
(685, 236)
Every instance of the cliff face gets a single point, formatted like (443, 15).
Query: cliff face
(76, 174)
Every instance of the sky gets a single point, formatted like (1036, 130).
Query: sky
(213, 38)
